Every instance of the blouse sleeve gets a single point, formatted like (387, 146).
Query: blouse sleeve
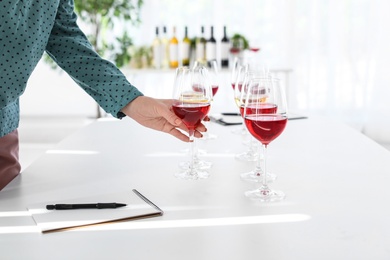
(101, 79)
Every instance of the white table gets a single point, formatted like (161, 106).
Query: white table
(336, 181)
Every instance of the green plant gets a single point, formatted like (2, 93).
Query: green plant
(101, 16)
(141, 56)
(239, 41)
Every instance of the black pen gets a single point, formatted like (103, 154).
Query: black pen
(231, 114)
(86, 206)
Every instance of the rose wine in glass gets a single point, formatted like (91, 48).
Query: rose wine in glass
(265, 124)
(192, 97)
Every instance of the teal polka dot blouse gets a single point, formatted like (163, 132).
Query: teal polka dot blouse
(30, 27)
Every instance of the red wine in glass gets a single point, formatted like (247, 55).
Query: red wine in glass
(239, 86)
(261, 108)
(214, 89)
(265, 128)
(198, 88)
(191, 113)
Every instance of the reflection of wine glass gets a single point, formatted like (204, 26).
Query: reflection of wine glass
(192, 97)
(265, 115)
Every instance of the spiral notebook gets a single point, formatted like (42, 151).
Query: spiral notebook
(137, 207)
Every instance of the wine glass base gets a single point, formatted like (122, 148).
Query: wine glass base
(247, 157)
(192, 175)
(254, 176)
(208, 136)
(198, 165)
(265, 195)
(240, 131)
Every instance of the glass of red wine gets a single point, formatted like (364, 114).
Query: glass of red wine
(252, 154)
(214, 76)
(237, 63)
(192, 96)
(265, 116)
(214, 81)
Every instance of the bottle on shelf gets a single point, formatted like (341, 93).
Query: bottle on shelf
(165, 49)
(185, 48)
(157, 51)
(225, 46)
(211, 47)
(200, 48)
(173, 50)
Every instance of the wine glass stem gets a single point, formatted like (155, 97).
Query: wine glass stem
(192, 149)
(264, 183)
(258, 168)
(195, 151)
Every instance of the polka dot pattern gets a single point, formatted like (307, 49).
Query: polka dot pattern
(30, 27)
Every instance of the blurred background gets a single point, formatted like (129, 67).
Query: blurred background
(336, 54)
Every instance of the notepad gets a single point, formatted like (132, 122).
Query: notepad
(228, 119)
(138, 206)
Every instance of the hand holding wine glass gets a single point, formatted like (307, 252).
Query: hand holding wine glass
(192, 97)
(265, 116)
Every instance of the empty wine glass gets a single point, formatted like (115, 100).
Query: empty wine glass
(192, 97)
(265, 116)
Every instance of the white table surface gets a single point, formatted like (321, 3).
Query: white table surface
(336, 182)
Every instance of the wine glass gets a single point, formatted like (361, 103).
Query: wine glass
(214, 81)
(197, 162)
(257, 174)
(214, 76)
(192, 96)
(237, 63)
(265, 116)
(239, 98)
(239, 71)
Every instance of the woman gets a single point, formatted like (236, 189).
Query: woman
(30, 27)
